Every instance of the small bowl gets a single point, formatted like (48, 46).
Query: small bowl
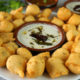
(42, 6)
(73, 5)
(21, 40)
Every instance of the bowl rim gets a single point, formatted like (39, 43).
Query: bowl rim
(52, 7)
(48, 5)
(34, 49)
(69, 1)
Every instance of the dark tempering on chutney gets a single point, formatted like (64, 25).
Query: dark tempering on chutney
(77, 8)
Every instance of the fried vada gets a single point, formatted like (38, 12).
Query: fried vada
(68, 27)
(4, 54)
(35, 67)
(16, 64)
(11, 47)
(6, 26)
(56, 68)
(74, 19)
(64, 13)
(73, 63)
(17, 14)
(45, 13)
(44, 54)
(17, 23)
(6, 37)
(30, 10)
(29, 18)
(61, 53)
(57, 21)
(71, 34)
(76, 47)
(68, 45)
(24, 52)
(5, 16)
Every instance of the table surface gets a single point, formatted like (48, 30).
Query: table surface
(60, 3)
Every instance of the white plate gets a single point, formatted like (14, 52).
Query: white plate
(10, 76)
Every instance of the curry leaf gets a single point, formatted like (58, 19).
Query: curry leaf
(45, 1)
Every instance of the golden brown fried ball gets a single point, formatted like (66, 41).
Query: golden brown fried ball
(56, 68)
(73, 63)
(5, 16)
(11, 47)
(77, 38)
(16, 64)
(57, 21)
(76, 47)
(45, 13)
(6, 37)
(75, 19)
(17, 14)
(29, 18)
(19, 9)
(6, 26)
(32, 10)
(18, 22)
(78, 28)
(71, 34)
(24, 52)
(61, 53)
(68, 27)
(4, 54)
(35, 67)
(44, 54)
(64, 13)
(68, 45)
(43, 19)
